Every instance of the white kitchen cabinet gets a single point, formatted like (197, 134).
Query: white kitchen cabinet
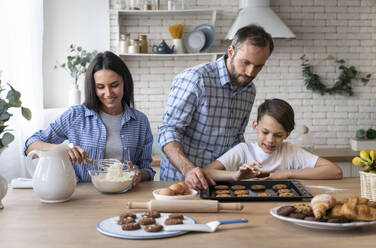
(165, 14)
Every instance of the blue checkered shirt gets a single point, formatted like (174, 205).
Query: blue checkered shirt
(83, 127)
(205, 114)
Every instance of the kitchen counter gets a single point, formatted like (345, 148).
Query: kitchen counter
(26, 222)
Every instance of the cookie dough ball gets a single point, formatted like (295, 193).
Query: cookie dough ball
(219, 187)
(177, 188)
(238, 187)
(187, 191)
(277, 187)
(166, 191)
(258, 187)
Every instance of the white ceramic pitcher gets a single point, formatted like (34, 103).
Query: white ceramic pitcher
(54, 179)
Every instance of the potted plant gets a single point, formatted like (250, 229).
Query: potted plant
(11, 100)
(364, 140)
(367, 160)
(76, 65)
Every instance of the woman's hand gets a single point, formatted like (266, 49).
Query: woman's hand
(77, 155)
(248, 170)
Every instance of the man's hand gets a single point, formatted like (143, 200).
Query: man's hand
(248, 171)
(196, 178)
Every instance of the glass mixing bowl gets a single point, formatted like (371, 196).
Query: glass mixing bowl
(113, 181)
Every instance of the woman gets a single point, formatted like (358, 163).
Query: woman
(106, 125)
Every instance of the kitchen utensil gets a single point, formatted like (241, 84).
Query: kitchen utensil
(209, 33)
(111, 228)
(198, 206)
(208, 227)
(321, 225)
(163, 48)
(176, 31)
(297, 188)
(157, 196)
(178, 46)
(3, 189)
(194, 41)
(103, 163)
(54, 179)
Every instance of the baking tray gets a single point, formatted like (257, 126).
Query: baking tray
(300, 192)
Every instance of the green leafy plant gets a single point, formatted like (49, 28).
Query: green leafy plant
(342, 84)
(363, 134)
(12, 100)
(77, 62)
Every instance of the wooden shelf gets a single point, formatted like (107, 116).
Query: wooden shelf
(167, 12)
(170, 54)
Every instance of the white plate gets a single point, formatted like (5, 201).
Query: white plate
(111, 228)
(321, 225)
(209, 32)
(195, 41)
(191, 196)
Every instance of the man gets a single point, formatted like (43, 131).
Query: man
(209, 107)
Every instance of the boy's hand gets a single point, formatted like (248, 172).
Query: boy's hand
(248, 171)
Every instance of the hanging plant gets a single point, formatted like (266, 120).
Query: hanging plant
(342, 85)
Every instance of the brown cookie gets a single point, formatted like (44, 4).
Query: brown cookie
(238, 187)
(280, 191)
(222, 191)
(277, 187)
(221, 187)
(170, 221)
(153, 228)
(153, 214)
(297, 215)
(147, 221)
(258, 187)
(131, 226)
(223, 195)
(245, 195)
(285, 210)
(264, 194)
(125, 215)
(286, 195)
(175, 216)
(126, 220)
(241, 192)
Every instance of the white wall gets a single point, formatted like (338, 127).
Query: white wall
(81, 22)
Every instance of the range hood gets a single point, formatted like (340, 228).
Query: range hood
(258, 12)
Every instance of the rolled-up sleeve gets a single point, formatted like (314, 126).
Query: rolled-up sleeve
(146, 155)
(55, 133)
(182, 102)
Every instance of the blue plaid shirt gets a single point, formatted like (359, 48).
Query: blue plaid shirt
(83, 127)
(205, 114)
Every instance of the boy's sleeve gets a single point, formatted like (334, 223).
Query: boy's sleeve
(233, 158)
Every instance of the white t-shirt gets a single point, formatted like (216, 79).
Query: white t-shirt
(287, 157)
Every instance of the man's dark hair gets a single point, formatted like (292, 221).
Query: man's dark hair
(107, 61)
(279, 110)
(255, 34)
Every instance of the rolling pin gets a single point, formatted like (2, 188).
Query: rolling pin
(179, 206)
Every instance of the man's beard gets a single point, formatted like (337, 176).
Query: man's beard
(235, 77)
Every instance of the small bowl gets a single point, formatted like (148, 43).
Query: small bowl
(191, 196)
(104, 183)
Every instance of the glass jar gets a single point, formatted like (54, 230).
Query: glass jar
(124, 42)
(133, 4)
(147, 5)
(171, 4)
(143, 42)
(133, 46)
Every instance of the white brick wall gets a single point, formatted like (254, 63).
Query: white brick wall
(345, 29)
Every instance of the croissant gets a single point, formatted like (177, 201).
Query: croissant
(321, 203)
(354, 208)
